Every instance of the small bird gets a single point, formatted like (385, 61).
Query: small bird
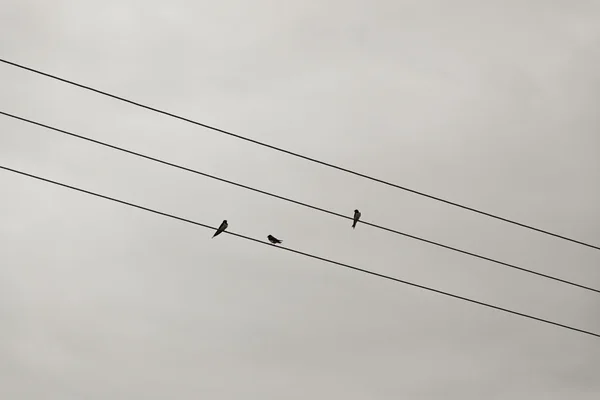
(356, 218)
(274, 240)
(222, 227)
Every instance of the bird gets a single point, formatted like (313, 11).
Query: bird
(356, 218)
(222, 227)
(274, 240)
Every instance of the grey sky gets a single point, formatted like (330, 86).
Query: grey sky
(490, 103)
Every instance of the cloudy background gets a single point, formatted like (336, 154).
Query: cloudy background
(492, 103)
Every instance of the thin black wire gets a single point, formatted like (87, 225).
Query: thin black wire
(307, 254)
(299, 202)
(272, 147)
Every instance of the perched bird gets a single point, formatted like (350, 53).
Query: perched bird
(274, 240)
(222, 227)
(356, 218)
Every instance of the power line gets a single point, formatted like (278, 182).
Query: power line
(299, 202)
(289, 152)
(307, 254)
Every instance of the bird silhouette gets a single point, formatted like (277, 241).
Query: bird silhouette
(356, 218)
(274, 240)
(222, 227)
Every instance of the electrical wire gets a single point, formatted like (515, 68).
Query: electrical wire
(308, 254)
(314, 160)
(300, 203)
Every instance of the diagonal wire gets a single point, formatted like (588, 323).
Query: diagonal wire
(522, 269)
(506, 310)
(314, 160)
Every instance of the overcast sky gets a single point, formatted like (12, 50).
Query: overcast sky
(490, 103)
